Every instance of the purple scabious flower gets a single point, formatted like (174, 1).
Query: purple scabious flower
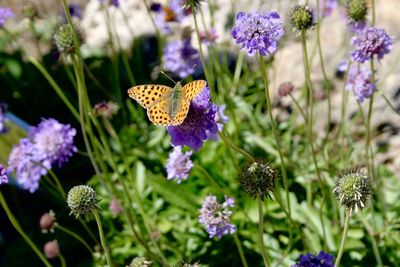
(5, 14)
(199, 124)
(26, 163)
(180, 57)
(215, 216)
(357, 26)
(323, 259)
(179, 165)
(3, 109)
(3, 175)
(258, 32)
(326, 7)
(370, 42)
(169, 14)
(359, 81)
(53, 141)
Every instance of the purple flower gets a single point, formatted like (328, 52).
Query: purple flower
(26, 163)
(115, 207)
(110, 2)
(5, 14)
(258, 32)
(370, 42)
(75, 10)
(220, 117)
(180, 57)
(166, 15)
(199, 125)
(105, 109)
(327, 6)
(53, 141)
(209, 37)
(357, 26)
(323, 259)
(3, 109)
(215, 216)
(359, 81)
(3, 175)
(179, 165)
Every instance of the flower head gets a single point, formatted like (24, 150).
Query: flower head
(53, 141)
(371, 42)
(140, 262)
(215, 216)
(302, 17)
(5, 14)
(64, 38)
(27, 164)
(180, 57)
(47, 221)
(285, 89)
(3, 109)
(323, 259)
(199, 124)
(105, 109)
(82, 200)
(168, 15)
(258, 179)
(357, 10)
(258, 32)
(353, 188)
(51, 249)
(3, 175)
(115, 207)
(209, 37)
(327, 7)
(360, 82)
(179, 165)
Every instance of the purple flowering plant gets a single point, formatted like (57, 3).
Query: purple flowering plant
(268, 166)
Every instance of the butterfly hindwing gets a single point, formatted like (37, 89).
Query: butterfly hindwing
(182, 112)
(190, 90)
(148, 95)
(158, 113)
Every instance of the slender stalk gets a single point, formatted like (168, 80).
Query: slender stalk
(74, 235)
(368, 155)
(344, 237)
(240, 249)
(371, 234)
(234, 147)
(238, 70)
(261, 231)
(102, 239)
(62, 260)
(19, 229)
(388, 102)
(212, 180)
(296, 103)
(277, 141)
(373, 13)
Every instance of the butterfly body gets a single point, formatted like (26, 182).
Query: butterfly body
(166, 105)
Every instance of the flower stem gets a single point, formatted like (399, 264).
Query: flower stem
(62, 260)
(261, 231)
(278, 142)
(344, 237)
(19, 229)
(234, 147)
(240, 249)
(102, 239)
(74, 235)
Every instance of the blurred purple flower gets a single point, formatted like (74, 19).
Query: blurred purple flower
(3, 109)
(199, 125)
(165, 15)
(258, 32)
(105, 109)
(359, 81)
(155, 7)
(323, 259)
(220, 117)
(26, 163)
(327, 6)
(115, 207)
(180, 57)
(179, 165)
(53, 141)
(215, 216)
(5, 14)
(357, 26)
(370, 42)
(75, 10)
(110, 2)
(209, 37)
(3, 175)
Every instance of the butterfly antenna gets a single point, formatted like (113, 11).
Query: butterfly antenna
(166, 75)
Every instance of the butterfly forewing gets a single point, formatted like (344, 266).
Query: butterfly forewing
(190, 90)
(158, 113)
(148, 95)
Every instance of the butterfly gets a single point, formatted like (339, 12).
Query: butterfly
(166, 105)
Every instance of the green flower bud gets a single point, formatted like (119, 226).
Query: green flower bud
(302, 17)
(257, 179)
(82, 200)
(64, 38)
(140, 262)
(353, 188)
(357, 10)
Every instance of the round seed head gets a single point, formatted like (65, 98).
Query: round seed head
(82, 200)
(140, 262)
(302, 17)
(357, 10)
(64, 38)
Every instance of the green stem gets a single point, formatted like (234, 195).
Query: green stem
(19, 229)
(375, 248)
(238, 70)
(344, 237)
(234, 147)
(212, 180)
(373, 13)
(102, 239)
(277, 141)
(62, 260)
(388, 102)
(240, 249)
(261, 231)
(296, 103)
(76, 236)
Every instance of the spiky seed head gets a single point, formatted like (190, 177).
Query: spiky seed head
(82, 200)
(302, 17)
(357, 10)
(140, 262)
(64, 38)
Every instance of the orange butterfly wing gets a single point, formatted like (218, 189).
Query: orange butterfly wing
(148, 95)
